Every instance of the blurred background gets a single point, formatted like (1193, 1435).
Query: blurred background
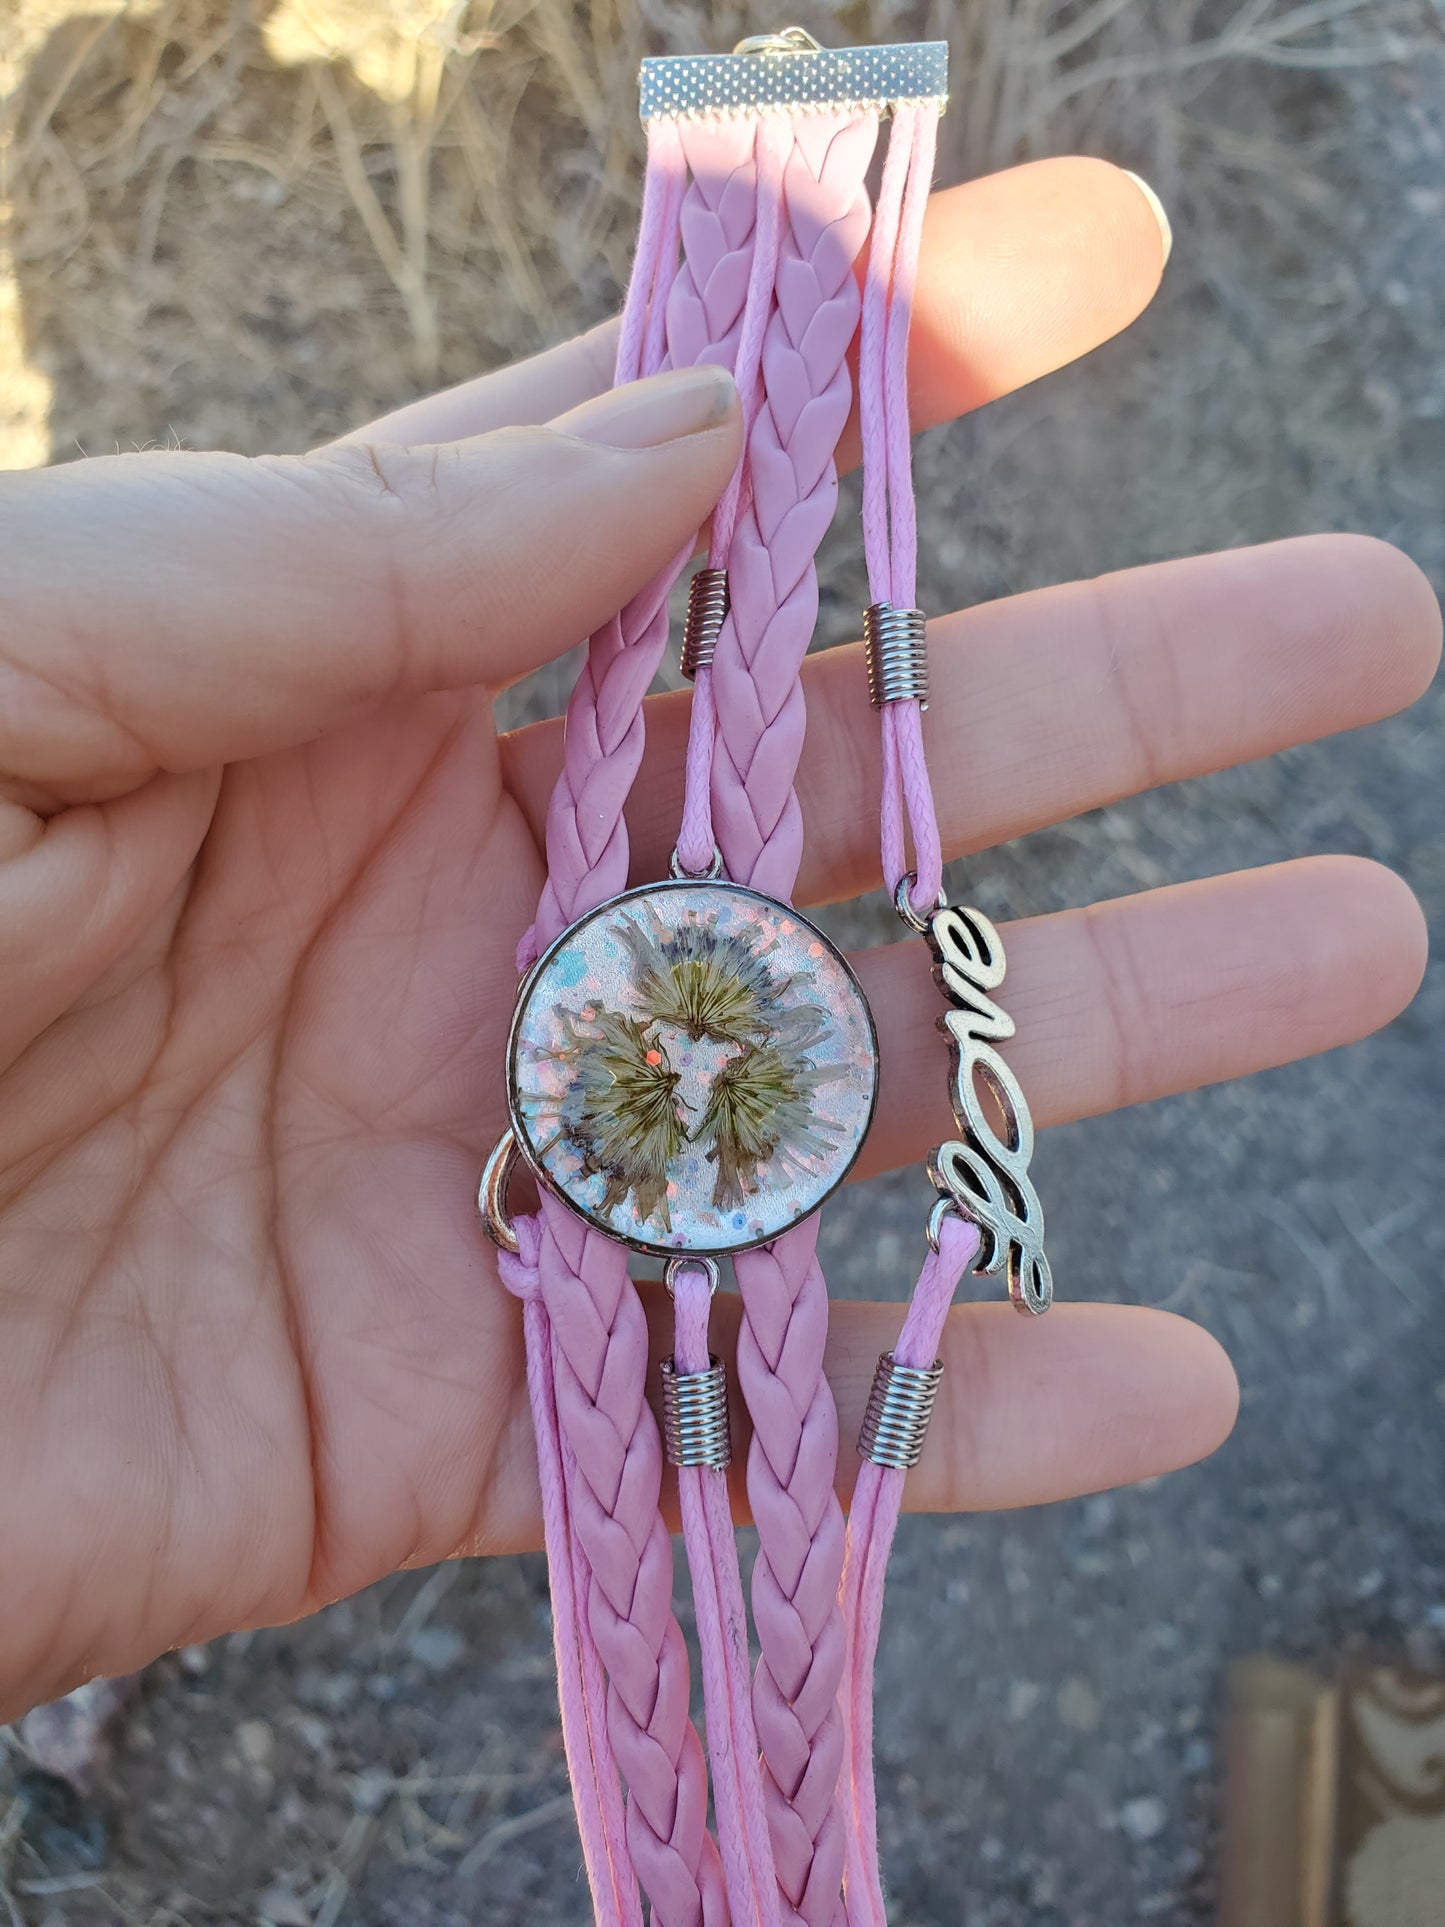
(251, 225)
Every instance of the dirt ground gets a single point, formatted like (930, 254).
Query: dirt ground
(251, 226)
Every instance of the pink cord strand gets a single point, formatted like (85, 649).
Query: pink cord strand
(877, 1502)
(707, 1526)
(891, 537)
(891, 545)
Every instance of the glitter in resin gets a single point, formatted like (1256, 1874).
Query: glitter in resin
(693, 1067)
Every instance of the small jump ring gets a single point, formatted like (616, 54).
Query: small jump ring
(944, 1208)
(492, 1193)
(681, 1263)
(792, 40)
(710, 875)
(903, 902)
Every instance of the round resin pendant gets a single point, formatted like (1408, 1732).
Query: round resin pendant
(693, 1067)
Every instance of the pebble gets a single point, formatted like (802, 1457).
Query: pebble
(311, 1731)
(1199, 1757)
(1023, 1697)
(1099, 1512)
(1079, 1705)
(255, 1742)
(63, 1830)
(371, 1789)
(338, 1691)
(1145, 1818)
(279, 1907)
(1044, 1886)
(437, 1648)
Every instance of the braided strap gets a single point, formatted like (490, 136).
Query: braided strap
(705, 308)
(601, 1354)
(587, 843)
(599, 1333)
(771, 573)
(791, 1467)
(581, 1683)
(760, 719)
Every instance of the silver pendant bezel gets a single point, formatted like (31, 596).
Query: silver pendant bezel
(533, 977)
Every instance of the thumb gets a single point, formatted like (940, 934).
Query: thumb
(169, 612)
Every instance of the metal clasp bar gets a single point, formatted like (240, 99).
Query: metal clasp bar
(790, 72)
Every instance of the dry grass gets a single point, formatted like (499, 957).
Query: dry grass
(469, 169)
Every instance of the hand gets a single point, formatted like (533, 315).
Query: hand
(264, 863)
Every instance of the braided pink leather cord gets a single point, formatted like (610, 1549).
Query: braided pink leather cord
(695, 839)
(581, 1683)
(760, 719)
(581, 1689)
(598, 1329)
(587, 847)
(601, 1355)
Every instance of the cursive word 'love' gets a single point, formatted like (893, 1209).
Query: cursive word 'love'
(983, 1173)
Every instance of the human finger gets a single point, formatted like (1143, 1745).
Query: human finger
(1150, 995)
(172, 612)
(1021, 273)
(1047, 704)
(1029, 1411)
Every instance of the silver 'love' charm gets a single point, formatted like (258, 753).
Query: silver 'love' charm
(984, 1173)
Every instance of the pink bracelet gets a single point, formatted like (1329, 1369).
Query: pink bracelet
(692, 1066)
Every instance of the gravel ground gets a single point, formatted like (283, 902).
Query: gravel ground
(1051, 1682)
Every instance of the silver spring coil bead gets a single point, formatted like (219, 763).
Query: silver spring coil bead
(896, 647)
(899, 1408)
(695, 1415)
(707, 605)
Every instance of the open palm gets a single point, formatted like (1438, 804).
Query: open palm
(264, 864)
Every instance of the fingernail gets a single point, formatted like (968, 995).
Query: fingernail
(663, 408)
(1156, 208)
